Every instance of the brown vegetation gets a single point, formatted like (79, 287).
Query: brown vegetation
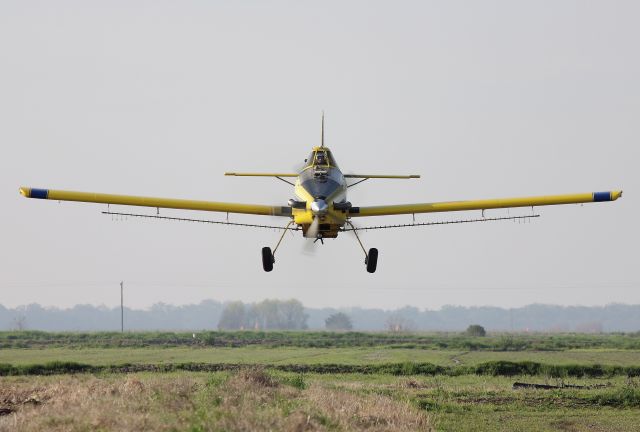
(89, 403)
(247, 400)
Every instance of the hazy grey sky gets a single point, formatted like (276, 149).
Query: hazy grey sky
(483, 98)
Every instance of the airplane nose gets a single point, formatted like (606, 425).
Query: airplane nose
(319, 206)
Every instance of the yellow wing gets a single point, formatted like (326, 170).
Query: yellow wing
(381, 176)
(59, 195)
(485, 204)
(253, 174)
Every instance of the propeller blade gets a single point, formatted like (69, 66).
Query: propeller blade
(309, 247)
(314, 228)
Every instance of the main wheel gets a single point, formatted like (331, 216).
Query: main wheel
(372, 260)
(267, 259)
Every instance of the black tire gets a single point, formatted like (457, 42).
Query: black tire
(372, 260)
(267, 259)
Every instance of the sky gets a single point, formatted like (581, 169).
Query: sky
(159, 98)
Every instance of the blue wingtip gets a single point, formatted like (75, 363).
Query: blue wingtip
(602, 196)
(39, 193)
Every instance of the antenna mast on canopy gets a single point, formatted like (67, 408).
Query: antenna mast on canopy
(322, 138)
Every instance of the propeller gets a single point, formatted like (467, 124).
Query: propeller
(319, 207)
(314, 228)
(309, 246)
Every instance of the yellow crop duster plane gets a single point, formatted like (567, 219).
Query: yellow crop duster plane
(320, 208)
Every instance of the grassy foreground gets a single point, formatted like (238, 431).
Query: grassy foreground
(316, 381)
(259, 400)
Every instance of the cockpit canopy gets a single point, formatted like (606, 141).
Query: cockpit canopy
(321, 157)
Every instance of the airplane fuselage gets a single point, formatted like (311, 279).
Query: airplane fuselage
(321, 196)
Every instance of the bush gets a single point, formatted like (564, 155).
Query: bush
(621, 398)
(296, 381)
(476, 331)
(339, 321)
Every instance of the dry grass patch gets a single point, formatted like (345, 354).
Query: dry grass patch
(355, 411)
(248, 400)
(90, 403)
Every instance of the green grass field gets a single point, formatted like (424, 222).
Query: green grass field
(418, 387)
(292, 355)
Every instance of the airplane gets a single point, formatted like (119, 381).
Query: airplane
(320, 208)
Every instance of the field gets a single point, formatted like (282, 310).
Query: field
(318, 381)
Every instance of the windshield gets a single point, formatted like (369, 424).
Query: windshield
(320, 158)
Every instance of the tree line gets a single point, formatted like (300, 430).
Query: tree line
(291, 314)
(265, 315)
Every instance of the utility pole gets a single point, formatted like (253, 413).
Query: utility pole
(511, 319)
(122, 307)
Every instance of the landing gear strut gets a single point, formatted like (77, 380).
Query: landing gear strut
(268, 257)
(371, 258)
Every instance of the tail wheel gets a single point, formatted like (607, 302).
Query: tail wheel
(267, 259)
(372, 260)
